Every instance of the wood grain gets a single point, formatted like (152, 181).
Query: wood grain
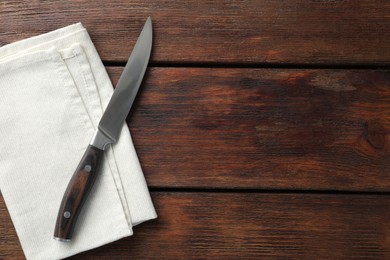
(10, 247)
(295, 31)
(263, 128)
(248, 225)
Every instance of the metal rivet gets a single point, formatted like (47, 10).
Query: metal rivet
(66, 214)
(88, 168)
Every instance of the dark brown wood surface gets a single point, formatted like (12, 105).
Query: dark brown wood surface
(294, 31)
(248, 225)
(262, 126)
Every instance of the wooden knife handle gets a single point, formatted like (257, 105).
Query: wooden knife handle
(76, 193)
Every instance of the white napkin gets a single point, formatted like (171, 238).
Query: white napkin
(53, 89)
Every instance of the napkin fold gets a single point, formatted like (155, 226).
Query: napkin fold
(53, 91)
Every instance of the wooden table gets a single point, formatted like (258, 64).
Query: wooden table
(263, 127)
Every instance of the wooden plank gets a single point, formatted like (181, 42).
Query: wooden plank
(263, 128)
(295, 31)
(10, 247)
(248, 225)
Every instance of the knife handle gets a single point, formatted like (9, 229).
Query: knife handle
(76, 193)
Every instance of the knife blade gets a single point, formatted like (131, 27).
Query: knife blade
(108, 131)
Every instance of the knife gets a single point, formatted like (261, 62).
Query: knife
(108, 131)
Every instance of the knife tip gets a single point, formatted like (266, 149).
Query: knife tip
(148, 25)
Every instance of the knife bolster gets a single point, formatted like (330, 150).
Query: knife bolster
(100, 140)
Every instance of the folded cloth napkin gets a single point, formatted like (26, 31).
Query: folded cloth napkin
(53, 91)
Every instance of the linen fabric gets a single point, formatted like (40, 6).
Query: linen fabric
(53, 91)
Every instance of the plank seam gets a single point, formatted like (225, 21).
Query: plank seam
(256, 65)
(268, 191)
